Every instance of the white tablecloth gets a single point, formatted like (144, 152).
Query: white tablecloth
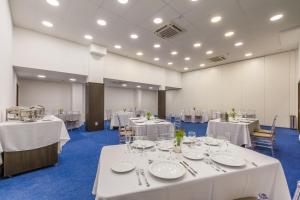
(151, 128)
(210, 184)
(204, 115)
(22, 136)
(124, 118)
(239, 132)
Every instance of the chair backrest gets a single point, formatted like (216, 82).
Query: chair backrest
(177, 123)
(274, 124)
(297, 192)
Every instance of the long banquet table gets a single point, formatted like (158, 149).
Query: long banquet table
(239, 131)
(268, 177)
(20, 137)
(152, 128)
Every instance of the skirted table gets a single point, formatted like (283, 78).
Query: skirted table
(25, 146)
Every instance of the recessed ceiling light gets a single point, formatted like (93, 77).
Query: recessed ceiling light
(88, 37)
(139, 53)
(248, 54)
(174, 53)
(123, 1)
(72, 79)
(229, 34)
(193, 0)
(187, 58)
(101, 22)
(202, 65)
(196, 45)
(276, 17)
(150, 88)
(156, 46)
(53, 2)
(156, 59)
(209, 52)
(186, 68)
(158, 20)
(41, 76)
(118, 46)
(134, 36)
(238, 44)
(124, 85)
(170, 63)
(138, 86)
(215, 19)
(47, 23)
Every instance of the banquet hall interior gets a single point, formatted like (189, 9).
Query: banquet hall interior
(149, 99)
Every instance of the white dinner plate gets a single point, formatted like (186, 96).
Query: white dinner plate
(122, 167)
(139, 144)
(167, 170)
(165, 145)
(188, 140)
(211, 141)
(193, 155)
(228, 159)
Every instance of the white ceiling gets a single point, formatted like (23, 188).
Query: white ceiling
(248, 18)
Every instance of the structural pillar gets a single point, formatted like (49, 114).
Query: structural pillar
(162, 102)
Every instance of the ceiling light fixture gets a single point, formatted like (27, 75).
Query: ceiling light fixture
(41, 76)
(229, 34)
(150, 88)
(118, 46)
(53, 2)
(238, 44)
(248, 54)
(174, 53)
(139, 53)
(156, 59)
(196, 45)
(156, 46)
(186, 68)
(101, 22)
(47, 24)
(202, 65)
(72, 79)
(209, 52)
(134, 36)
(158, 20)
(124, 85)
(276, 17)
(216, 19)
(138, 86)
(170, 63)
(123, 1)
(88, 37)
(187, 58)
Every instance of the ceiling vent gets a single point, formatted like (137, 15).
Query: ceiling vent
(217, 59)
(169, 31)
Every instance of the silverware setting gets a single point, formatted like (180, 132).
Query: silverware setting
(191, 172)
(218, 166)
(190, 167)
(138, 176)
(145, 178)
(251, 162)
(212, 166)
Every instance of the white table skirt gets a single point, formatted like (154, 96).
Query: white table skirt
(124, 119)
(204, 115)
(239, 132)
(267, 178)
(22, 136)
(151, 129)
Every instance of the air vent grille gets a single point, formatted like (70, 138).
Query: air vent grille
(168, 31)
(217, 59)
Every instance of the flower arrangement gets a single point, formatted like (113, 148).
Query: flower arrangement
(178, 140)
(232, 113)
(148, 115)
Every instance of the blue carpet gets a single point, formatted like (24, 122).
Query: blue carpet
(74, 175)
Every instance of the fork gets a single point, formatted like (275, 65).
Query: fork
(145, 178)
(138, 176)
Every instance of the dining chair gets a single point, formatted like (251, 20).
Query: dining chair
(265, 138)
(198, 116)
(177, 123)
(124, 130)
(297, 192)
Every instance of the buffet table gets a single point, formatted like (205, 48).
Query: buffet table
(30, 145)
(151, 128)
(124, 119)
(239, 130)
(260, 174)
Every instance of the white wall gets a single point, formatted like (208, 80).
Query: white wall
(49, 53)
(267, 85)
(117, 99)
(7, 75)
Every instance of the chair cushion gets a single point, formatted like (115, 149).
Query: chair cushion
(264, 131)
(263, 135)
